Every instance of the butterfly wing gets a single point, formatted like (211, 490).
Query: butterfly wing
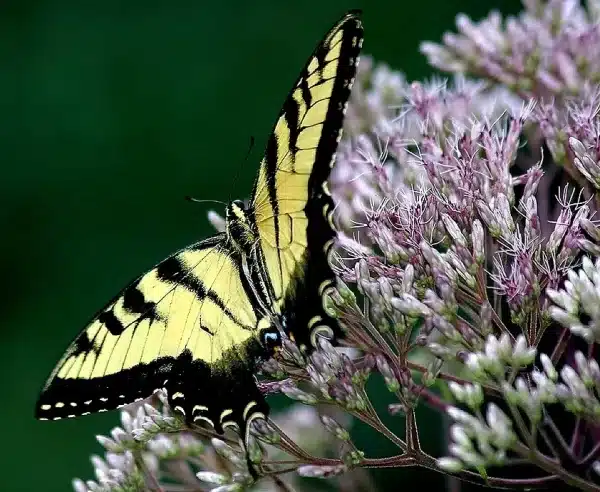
(186, 325)
(291, 204)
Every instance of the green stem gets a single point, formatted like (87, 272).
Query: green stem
(150, 480)
(550, 466)
(378, 425)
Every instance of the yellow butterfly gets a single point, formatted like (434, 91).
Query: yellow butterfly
(199, 323)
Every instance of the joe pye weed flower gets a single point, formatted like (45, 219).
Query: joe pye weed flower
(468, 264)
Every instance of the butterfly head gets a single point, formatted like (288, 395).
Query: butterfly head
(237, 225)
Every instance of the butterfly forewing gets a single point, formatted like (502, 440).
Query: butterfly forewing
(194, 302)
(291, 204)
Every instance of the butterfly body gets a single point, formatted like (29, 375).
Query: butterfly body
(199, 323)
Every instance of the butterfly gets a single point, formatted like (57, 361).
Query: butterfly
(199, 324)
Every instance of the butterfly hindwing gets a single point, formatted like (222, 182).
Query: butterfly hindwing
(192, 307)
(291, 204)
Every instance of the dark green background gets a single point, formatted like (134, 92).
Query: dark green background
(112, 112)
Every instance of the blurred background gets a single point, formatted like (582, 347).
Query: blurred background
(112, 112)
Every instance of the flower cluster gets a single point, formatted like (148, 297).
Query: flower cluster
(550, 49)
(154, 450)
(468, 265)
(581, 295)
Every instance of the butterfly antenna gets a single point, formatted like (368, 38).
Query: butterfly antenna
(250, 147)
(248, 152)
(197, 200)
(235, 178)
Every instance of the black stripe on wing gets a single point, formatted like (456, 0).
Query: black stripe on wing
(134, 301)
(173, 270)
